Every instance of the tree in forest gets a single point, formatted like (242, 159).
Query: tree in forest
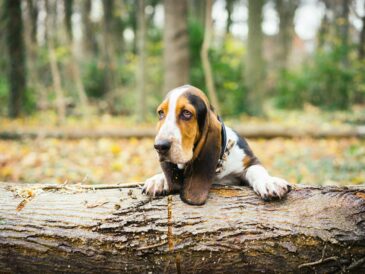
(51, 9)
(34, 78)
(255, 65)
(108, 46)
(286, 10)
(141, 50)
(90, 45)
(16, 52)
(209, 79)
(361, 45)
(229, 9)
(176, 44)
(74, 65)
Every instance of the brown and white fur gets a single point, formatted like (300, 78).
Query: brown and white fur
(189, 144)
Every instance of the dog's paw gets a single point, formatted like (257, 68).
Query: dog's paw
(271, 188)
(156, 185)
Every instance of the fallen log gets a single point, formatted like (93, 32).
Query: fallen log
(74, 229)
(249, 131)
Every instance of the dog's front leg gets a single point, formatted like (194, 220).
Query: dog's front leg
(156, 185)
(263, 184)
(169, 181)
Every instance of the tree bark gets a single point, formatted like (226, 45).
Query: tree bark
(204, 54)
(176, 44)
(255, 66)
(55, 229)
(16, 51)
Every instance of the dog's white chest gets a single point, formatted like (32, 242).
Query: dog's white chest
(233, 164)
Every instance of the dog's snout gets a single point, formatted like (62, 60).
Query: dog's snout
(162, 146)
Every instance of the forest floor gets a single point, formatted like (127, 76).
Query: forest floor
(111, 160)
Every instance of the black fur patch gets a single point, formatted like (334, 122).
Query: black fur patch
(242, 144)
(201, 109)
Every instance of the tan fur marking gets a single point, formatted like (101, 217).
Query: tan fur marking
(249, 161)
(164, 106)
(189, 129)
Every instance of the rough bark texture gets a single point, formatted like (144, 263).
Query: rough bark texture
(176, 44)
(261, 131)
(119, 230)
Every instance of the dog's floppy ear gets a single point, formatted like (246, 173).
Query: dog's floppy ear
(199, 174)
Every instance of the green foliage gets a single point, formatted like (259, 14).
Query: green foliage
(93, 78)
(196, 36)
(29, 100)
(227, 66)
(3, 95)
(328, 80)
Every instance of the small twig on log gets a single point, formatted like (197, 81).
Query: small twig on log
(320, 261)
(95, 204)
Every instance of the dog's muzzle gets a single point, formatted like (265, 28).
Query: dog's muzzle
(163, 146)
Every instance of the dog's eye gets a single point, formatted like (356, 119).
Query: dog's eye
(161, 115)
(186, 115)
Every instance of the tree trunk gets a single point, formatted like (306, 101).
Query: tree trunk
(324, 29)
(68, 7)
(176, 44)
(33, 15)
(75, 73)
(362, 37)
(90, 44)
(106, 229)
(30, 29)
(208, 74)
(108, 47)
(255, 67)
(16, 51)
(56, 77)
(229, 9)
(286, 10)
(141, 50)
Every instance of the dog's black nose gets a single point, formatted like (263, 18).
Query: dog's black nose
(162, 146)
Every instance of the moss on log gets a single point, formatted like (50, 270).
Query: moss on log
(80, 229)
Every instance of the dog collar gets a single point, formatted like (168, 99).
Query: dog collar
(223, 137)
(225, 147)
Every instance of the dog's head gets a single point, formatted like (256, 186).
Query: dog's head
(189, 136)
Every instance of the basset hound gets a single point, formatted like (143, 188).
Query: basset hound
(195, 149)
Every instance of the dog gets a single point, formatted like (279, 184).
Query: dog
(195, 149)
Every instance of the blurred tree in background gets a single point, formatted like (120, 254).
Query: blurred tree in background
(82, 57)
